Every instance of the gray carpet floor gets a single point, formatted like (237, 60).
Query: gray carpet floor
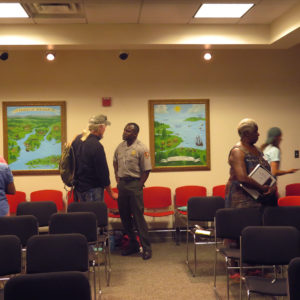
(166, 275)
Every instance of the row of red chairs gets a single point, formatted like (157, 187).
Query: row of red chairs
(41, 195)
(154, 197)
(158, 200)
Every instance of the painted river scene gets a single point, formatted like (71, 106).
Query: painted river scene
(34, 137)
(180, 135)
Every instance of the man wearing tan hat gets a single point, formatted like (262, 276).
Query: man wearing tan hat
(91, 172)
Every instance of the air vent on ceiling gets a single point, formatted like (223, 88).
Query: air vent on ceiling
(56, 8)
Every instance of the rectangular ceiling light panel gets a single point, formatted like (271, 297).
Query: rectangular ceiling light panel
(12, 10)
(229, 10)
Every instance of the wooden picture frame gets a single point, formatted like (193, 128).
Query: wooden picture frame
(33, 136)
(179, 135)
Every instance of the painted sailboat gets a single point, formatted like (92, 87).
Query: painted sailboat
(199, 141)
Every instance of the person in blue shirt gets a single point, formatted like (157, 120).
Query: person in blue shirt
(7, 186)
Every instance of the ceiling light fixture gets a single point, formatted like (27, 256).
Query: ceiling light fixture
(224, 10)
(207, 56)
(12, 10)
(50, 56)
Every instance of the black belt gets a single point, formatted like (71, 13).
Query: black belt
(129, 178)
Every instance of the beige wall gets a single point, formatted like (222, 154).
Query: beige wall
(261, 84)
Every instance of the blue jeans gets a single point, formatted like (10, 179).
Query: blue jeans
(94, 194)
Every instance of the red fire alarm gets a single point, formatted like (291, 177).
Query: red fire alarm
(106, 101)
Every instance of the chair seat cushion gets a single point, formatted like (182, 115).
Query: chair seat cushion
(266, 286)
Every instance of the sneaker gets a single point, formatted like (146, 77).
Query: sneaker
(147, 254)
(234, 276)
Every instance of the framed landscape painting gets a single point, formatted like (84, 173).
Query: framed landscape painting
(179, 135)
(33, 135)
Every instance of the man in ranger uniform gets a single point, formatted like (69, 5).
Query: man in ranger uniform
(132, 166)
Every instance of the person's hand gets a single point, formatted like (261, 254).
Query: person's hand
(114, 195)
(265, 189)
(293, 170)
(271, 190)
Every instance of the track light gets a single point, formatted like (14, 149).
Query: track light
(4, 56)
(50, 56)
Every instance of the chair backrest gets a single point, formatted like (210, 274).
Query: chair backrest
(57, 253)
(184, 193)
(97, 207)
(109, 201)
(269, 245)
(48, 286)
(203, 208)
(282, 216)
(289, 201)
(41, 210)
(157, 197)
(219, 190)
(14, 200)
(292, 189)
(10, 255)
(75, 222)
(294, 279)
(22, 226)
(49, 195)
(231, 221)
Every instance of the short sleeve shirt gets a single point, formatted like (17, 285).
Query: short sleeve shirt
(6, 178)
(132, 161)
(272, 153)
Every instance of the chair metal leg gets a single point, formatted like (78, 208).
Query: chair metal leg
(241, 269)
(106, 248)
(187, 245)
(98, 268)
(227, 278)
(215, 269)
(195, 257)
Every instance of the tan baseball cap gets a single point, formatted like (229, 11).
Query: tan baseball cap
(99, 119)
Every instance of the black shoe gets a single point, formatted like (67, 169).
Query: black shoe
(130, 250)
(147, 254)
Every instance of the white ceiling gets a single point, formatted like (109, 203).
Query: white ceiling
(149, 24)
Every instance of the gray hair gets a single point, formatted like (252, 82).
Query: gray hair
(94, 127)
(246, 126)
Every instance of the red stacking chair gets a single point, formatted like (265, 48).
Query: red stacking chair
(112, 205)
(292, 189)
(49, 195)
(14, 200)
(157, 201)
(182, 195)
(157, 204)
(219, 190)
(289, 201)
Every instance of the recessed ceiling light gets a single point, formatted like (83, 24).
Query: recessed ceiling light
(207, 56)
(229, 10)
(50, 56)
(12, 10)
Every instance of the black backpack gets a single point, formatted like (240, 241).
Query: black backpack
(67, 165)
